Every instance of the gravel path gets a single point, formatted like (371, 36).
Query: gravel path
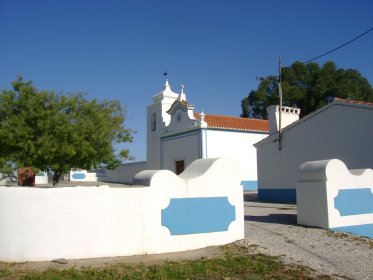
(273, 228)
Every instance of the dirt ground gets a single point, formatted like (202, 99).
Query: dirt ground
(204, 253)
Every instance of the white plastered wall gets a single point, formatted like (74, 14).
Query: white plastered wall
(237, 145)
(125, 173)
(342, 132)
(319, 183)
(42, 224)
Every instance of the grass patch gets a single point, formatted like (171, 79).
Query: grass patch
(235, 263)
(231, 267)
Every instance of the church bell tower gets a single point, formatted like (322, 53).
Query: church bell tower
(157, 118)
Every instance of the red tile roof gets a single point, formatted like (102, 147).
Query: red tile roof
(353, 101)
(235, 123)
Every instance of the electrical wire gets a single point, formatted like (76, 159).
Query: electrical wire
(341, 46)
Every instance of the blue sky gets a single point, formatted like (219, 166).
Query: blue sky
(120, 49)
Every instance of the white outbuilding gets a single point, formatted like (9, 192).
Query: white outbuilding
(176, 136)
(342, 130)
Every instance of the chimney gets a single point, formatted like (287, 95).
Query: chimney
(288, 116)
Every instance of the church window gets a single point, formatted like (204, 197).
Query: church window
(153, 122)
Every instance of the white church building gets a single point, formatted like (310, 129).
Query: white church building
(176, 136)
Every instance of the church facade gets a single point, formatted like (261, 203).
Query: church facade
(176, 136)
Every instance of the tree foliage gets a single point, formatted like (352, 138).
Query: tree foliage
(308, 87)
(49, 131)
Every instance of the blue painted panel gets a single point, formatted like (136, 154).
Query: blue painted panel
(78, 176)
(361, 230)
(278, 195)
(249, 185)
(198, 215)
(354, 202)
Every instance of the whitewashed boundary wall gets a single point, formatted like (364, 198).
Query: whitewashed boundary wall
(41, 178)
(87, 176)
(201, 207)
(83, 176)
(124, 174)
(332, 197)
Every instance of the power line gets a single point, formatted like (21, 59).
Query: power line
(341, 46)
(328, 52)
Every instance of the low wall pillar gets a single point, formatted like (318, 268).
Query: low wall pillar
(332, 197)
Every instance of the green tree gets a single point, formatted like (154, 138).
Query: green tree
(59, 132)
(308, 87)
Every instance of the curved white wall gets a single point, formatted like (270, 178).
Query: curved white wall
(38, 224)
(332, 197)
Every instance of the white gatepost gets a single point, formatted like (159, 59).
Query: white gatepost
(332, 197)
